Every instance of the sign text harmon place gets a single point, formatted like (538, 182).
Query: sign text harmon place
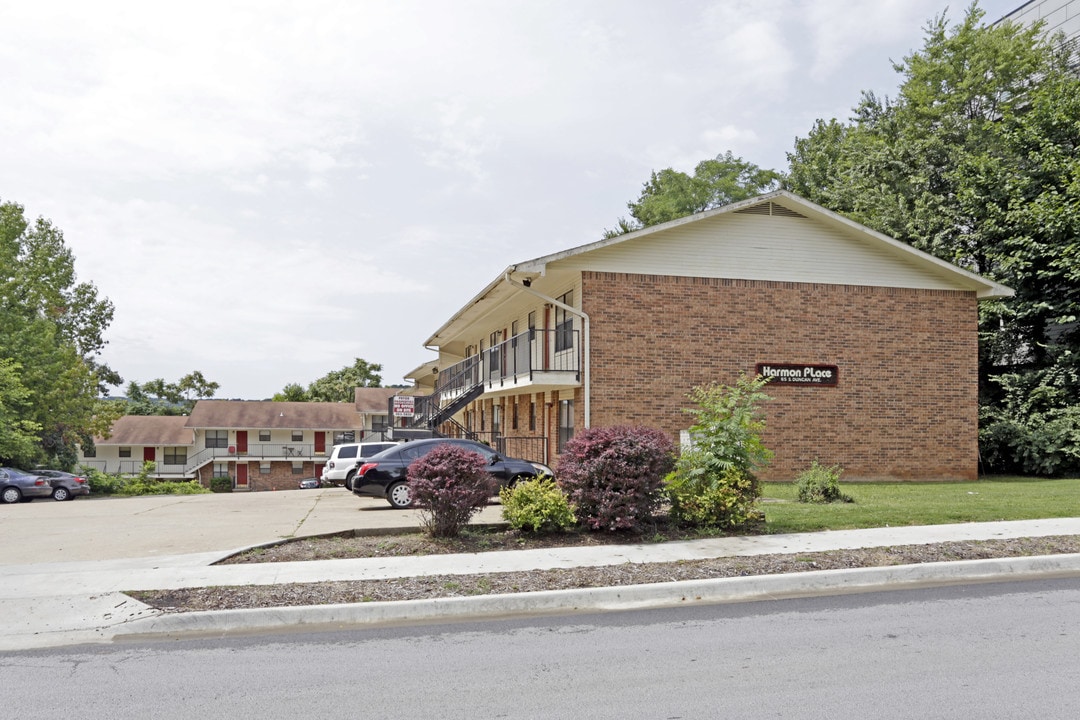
(799, 374)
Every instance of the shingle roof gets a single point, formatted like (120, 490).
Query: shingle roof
(149, 430)
(265, 414)
(374, 401)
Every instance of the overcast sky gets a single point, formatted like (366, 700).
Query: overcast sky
(268, 190)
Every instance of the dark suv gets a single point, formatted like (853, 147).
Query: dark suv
(386, 475)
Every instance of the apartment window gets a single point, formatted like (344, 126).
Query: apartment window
(514, 329)
(217, 438)
(264, 468)
(496, 419)
(514, 416)
(125, 452)
(344, 436)
(298, 468)
(89, 452)
(564, 323)
(298, 436)
(264, 436)
(221, 470)
(175, 456)
(566, 423)
(532, 416)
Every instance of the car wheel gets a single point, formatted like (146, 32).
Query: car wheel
(518, 478)
(61, 493)
(11, 495)
(348, 480)
(399, 496)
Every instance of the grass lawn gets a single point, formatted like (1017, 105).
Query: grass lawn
(884, 504)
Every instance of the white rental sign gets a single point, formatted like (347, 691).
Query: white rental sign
(403, 406)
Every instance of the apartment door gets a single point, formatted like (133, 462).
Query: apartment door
(149, 454)
(320, 443)
(241, 442)
(241, 474)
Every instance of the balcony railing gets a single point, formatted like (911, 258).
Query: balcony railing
(254, 452)
(526, 357)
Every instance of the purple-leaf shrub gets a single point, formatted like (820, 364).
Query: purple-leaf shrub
(614, 475)
(449, 485)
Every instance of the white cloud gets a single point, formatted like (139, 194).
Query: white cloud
(250, 181)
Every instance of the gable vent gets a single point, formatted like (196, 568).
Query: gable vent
(770, 208)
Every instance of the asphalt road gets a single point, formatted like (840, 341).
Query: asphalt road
(979, 651)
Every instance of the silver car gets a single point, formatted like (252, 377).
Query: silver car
(18, 486)
(65, 485)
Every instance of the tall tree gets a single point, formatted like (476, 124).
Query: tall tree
(335, 386)
(976, 161)
(670, 194)
(51, 332)
(157, 397)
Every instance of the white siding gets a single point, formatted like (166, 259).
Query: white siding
(762, 247)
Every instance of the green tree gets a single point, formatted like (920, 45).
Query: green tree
(157, 397)
(670, 194)
(340, 385)
(51, 331)
(976, 161)
(18, 435)
(293, 392)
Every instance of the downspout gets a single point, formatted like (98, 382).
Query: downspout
(584, 341)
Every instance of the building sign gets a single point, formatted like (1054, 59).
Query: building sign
(403, 406)
(799, 374)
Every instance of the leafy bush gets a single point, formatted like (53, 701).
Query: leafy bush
(1035, 430)
(221, 484)
(138, 486)
(724, 497)
(142, 484)
(537, 505)
(713, 483)
(821, 484)
(103, 483)
(614, 476)
(449, 485)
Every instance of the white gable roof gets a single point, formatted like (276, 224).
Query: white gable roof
(778, 236)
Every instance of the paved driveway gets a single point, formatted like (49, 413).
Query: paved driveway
(105, 528)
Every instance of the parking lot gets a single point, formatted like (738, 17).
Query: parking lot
(108, 528)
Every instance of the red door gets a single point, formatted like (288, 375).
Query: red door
(320, 443)
(241, 474)
(149, 454)
(241, 442)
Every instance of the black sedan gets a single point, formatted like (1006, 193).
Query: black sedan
(19, 486)
(386, 475)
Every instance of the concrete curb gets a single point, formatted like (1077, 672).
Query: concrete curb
(724, 590)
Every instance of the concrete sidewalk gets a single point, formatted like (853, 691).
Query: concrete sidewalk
(74, 601)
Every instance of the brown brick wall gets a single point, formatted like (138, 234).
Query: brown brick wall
(906, 403)
(280, 476)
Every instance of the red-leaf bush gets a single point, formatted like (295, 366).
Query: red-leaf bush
(614, 475)
(449, 485)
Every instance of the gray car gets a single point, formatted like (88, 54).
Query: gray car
(65, 485)
(19, 486)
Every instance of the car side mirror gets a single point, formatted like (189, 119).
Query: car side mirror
(495, 459)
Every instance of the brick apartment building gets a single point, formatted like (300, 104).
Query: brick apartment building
(871, 344)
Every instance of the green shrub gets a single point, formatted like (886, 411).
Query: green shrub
(537, 506)
(707, 495)
(221, 484)
(103, 483)
(713, 484)
(821, 484)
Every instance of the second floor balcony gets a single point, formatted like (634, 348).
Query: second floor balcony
(534, 360)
